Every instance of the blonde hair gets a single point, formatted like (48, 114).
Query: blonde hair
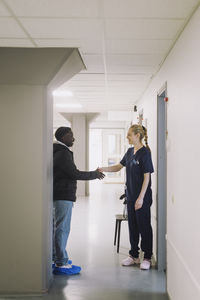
(143, 133)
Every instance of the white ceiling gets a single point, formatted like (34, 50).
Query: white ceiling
(122, 42)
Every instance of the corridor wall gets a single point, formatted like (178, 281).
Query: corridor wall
(181, 71)
(27, 79)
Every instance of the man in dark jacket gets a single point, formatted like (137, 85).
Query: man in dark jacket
(65, 176)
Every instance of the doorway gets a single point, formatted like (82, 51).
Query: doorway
(113, 151)
(161, 179)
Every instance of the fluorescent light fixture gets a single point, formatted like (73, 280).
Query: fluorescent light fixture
(63, 93)
(69, 105)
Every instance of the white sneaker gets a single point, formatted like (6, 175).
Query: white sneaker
(129, 261)
(68, 266)
(145, 265)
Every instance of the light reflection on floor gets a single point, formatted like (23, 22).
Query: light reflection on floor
(91, 246)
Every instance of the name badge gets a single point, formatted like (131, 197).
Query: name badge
(136, 162)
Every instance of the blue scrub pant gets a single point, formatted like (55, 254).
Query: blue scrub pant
(62, 221)
(139, 222)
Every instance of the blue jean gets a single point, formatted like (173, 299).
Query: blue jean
(62, 222)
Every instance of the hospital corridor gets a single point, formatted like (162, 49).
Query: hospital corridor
(99, 100)
(91, 246)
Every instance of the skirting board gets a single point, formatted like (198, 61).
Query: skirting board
(183, 265)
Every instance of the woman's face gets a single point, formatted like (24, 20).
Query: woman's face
(133, 138)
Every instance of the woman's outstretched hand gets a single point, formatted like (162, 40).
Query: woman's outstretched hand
(138, 203)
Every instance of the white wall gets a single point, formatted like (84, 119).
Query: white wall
(47, 202)
(25, 186)
(181, 70)
(26, 163)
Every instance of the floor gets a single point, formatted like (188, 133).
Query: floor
(91, 246)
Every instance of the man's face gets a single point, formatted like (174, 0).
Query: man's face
(68, 139)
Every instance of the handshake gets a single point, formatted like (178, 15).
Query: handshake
(100, 175)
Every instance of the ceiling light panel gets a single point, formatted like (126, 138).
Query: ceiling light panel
(62, 93)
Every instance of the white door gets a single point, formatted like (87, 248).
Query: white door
(113, 151)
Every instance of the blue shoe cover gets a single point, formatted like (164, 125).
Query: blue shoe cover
(62, 271)
(69, 262)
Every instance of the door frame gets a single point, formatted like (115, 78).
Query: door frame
(161, 179)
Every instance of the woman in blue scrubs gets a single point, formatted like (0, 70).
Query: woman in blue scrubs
(139, 167)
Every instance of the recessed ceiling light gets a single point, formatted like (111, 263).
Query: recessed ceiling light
(63, 93)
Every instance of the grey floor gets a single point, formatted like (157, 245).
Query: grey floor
(91, 246)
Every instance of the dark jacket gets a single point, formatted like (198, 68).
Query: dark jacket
(65, 174)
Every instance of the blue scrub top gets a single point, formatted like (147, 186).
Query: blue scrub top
(136, 166)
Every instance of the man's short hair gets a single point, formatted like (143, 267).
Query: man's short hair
(61, 131)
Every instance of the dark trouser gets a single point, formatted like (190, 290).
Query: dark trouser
(139, 222)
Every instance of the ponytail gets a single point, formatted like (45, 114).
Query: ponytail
(146, 138)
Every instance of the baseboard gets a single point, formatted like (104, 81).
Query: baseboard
(18, 295)
(191, 279)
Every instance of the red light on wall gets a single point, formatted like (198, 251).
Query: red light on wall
(166, 99)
